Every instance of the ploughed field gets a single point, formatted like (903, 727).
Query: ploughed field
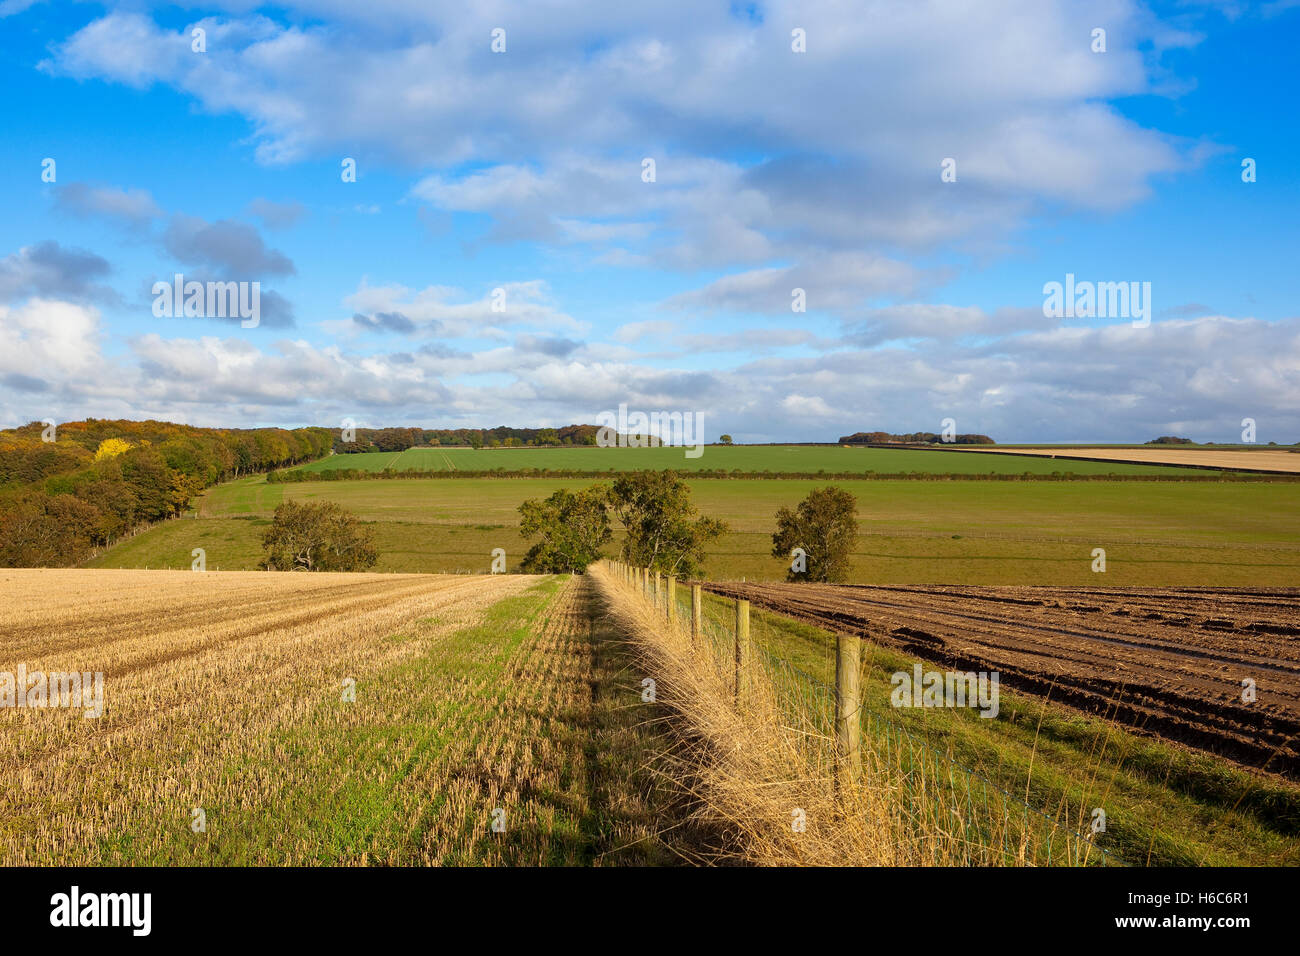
(1165, 661)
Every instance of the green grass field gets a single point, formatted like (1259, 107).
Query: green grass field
(968, 532)
(779, 458)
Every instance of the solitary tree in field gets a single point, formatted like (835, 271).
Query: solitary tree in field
(824, 526)
(664, 532)
(725, 439)
(573, 525)
(317, 537)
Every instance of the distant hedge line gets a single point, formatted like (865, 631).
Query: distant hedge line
(359, 474)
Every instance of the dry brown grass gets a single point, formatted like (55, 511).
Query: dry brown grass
(749, 766)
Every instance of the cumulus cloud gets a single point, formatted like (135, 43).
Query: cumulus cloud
(748, 341)
(888, 94)
(23, 383)
(275, 310)
(1114, 383)
(774, 171)
(836, 282)
(635, 331)
(134, 207)
(552, 347)
(53, 271)
(233, 249)
(938, 321)
(446, 312)
(385, 321)
(51, 340)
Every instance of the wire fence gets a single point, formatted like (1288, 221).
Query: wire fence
(937, 798)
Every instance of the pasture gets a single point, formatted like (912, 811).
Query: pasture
(911, 532)
(832, 459)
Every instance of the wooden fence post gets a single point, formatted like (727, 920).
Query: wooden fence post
(671, 606)
(848, 705)
(742, 648)
(695, 613)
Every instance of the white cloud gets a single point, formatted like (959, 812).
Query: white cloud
(808, 406)
(435, 311)
(50, 340)
(133, 206)
(1009, 88)
(837, 281)
(1115, 383)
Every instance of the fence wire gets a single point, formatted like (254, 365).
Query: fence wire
(939, 798)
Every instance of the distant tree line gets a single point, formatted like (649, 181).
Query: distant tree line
(1170, 440)
(98, 480)
(503, 436)
(930, 438)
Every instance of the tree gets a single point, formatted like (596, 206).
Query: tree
(824, 526)
(52, 531)
(725, 439)
(663, 532)
(111, 448)
(182, 488)
(126, 473)
(573, 525)
(317, 537)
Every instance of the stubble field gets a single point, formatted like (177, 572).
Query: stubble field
(227, 737)
(1264, 459)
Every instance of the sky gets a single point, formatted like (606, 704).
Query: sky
(561, 207)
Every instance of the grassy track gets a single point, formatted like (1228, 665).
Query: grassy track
(223, 691)
(774, 458)
(1165, 805)
(911, 532)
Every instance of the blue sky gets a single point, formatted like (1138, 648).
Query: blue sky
(775, 170)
